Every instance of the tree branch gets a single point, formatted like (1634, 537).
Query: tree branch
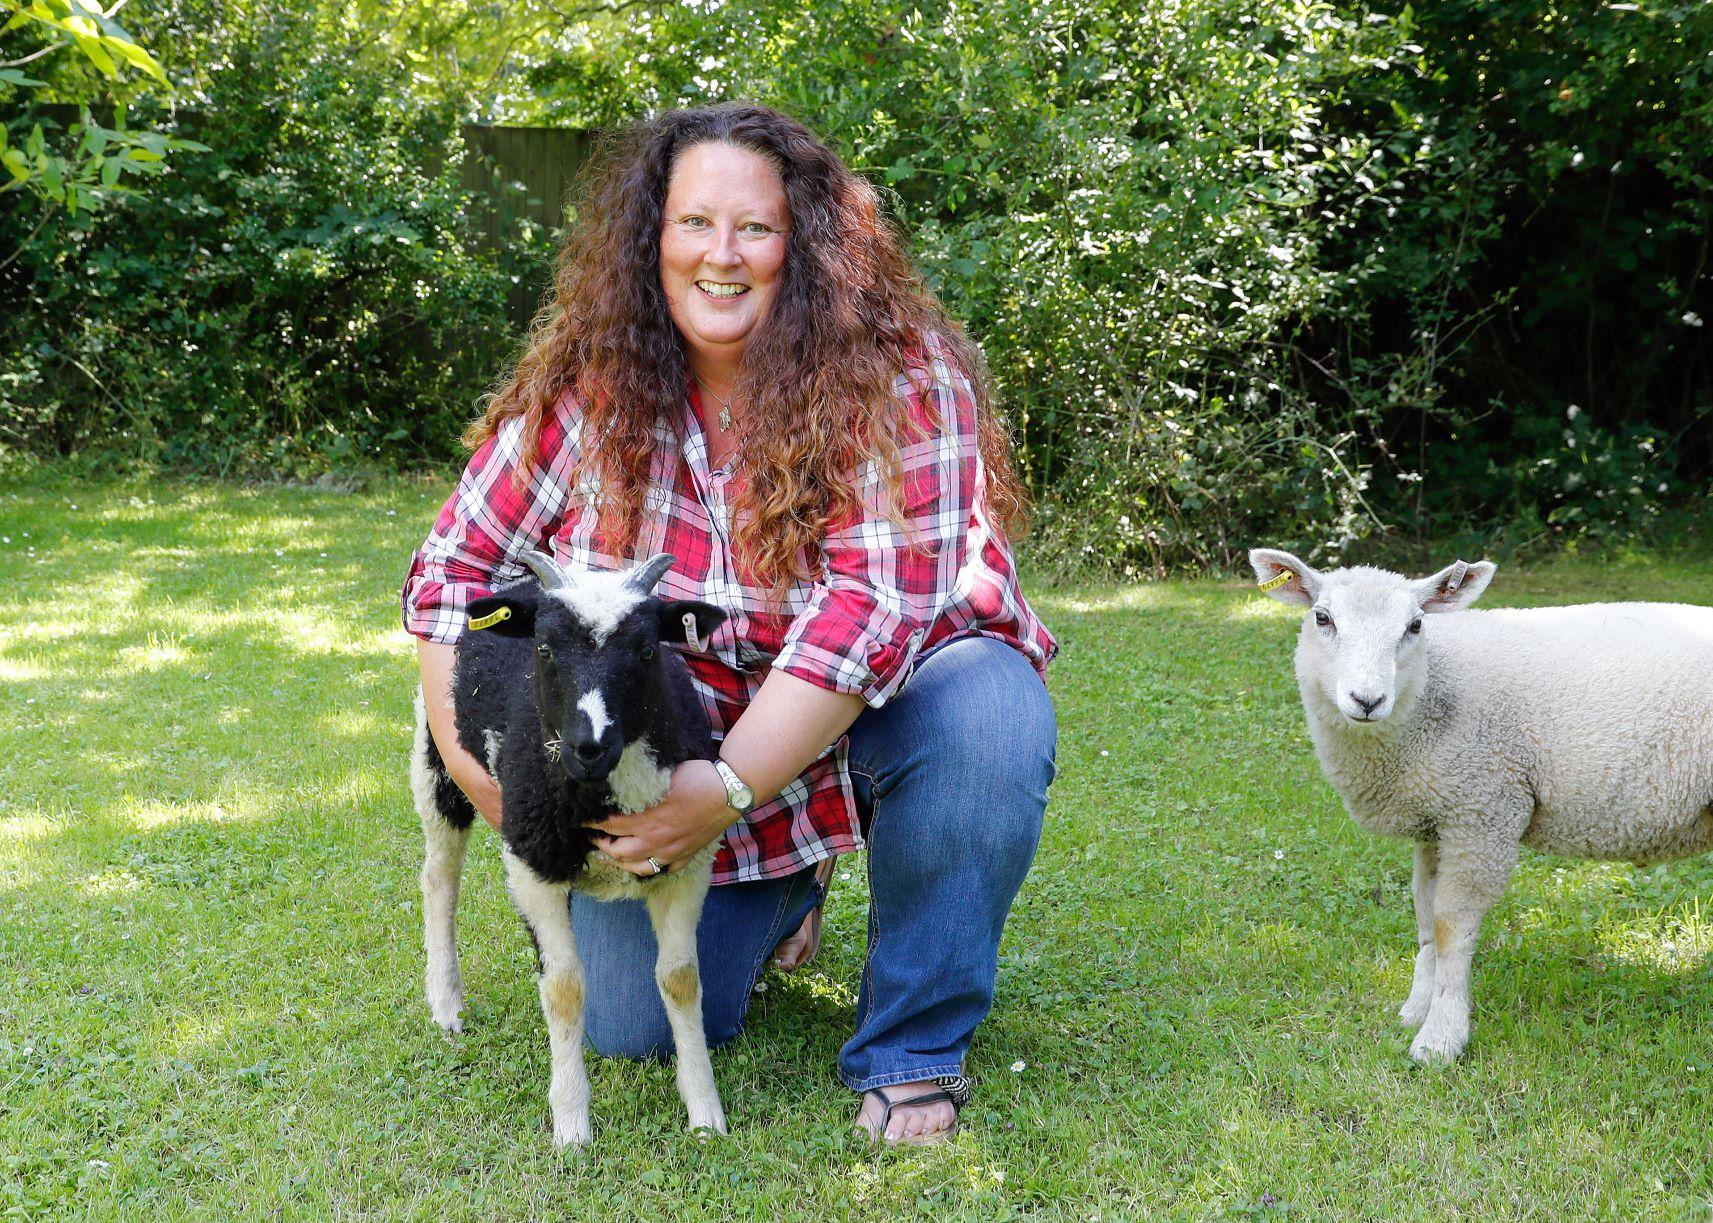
(51, 47)
(7, 262)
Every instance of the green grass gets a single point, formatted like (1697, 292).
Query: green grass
(210, 953)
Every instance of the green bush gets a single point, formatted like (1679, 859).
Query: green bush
(307, 294)
(1324, 274)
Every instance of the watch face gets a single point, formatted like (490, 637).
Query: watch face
(739, 797)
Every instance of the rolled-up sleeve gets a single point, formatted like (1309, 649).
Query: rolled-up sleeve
(884, 582)
(487, 522)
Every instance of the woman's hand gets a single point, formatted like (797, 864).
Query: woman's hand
(693, 813)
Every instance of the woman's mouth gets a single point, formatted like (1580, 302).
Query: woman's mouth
(715, 289)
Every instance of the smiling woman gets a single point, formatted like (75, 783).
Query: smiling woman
(741, 368)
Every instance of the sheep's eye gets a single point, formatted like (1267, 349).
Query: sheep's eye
(1322, 619)
(1415, 625)
(543, 649)
(646, 653)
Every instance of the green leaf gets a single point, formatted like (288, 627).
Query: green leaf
(134, 55)
(12, 76)
(16, 163)
(110, 168)
(97, 54)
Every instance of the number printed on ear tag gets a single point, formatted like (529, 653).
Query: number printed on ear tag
(492, 618)
(1275, 582)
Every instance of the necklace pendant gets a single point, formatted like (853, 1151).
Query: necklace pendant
(725, 419)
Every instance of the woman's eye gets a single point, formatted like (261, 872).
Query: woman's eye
(695, 222)
(756, 227)
(1322, 619)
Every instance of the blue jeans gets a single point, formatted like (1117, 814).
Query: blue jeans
(951, 777)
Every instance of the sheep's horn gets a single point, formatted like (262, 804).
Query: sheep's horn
(543, 566)
(645, 576)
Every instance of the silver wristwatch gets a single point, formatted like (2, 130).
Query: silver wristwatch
(739, 797)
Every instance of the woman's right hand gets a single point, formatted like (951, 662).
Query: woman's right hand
(435, 661)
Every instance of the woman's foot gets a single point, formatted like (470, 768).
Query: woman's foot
(917, 1114)
(796, 950)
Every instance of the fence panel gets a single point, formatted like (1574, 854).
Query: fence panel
(523, 173)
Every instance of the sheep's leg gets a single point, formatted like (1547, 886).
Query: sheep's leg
(441, 869)
(1415, 1008)
(544, 908)
(674, 911)
(444, 841)
(1471, 879)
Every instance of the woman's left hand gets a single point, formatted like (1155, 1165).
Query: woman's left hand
(693, 813)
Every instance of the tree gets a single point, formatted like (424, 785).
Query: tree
(81, 171)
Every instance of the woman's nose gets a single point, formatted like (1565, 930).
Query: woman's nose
(725, 251)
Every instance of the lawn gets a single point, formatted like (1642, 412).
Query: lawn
(210, 959)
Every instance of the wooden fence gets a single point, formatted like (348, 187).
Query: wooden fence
(523, 173)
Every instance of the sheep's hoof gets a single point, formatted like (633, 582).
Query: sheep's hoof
(1437, 1047)
(708, 1129)
(447, 1007)
(573, 1133)
(1413, 1013)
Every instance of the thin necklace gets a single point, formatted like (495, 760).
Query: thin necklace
(725, 404)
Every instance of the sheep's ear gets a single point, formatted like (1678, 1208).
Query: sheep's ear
(689, 621)
(1283, 576)
(1454, 587)
(510, 614)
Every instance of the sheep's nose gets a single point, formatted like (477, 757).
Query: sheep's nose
(1369, 704)
(588, 751)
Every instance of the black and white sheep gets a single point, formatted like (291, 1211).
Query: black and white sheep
(563, 687)
(1585, 731)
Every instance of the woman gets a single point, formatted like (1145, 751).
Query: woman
(743, 371)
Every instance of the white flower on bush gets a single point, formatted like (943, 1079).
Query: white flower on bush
(1692, 319)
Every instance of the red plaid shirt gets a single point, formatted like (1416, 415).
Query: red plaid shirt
(883, 600)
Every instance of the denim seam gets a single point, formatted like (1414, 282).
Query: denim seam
(873, 899)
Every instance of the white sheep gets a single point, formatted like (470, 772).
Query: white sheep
(1584, 731)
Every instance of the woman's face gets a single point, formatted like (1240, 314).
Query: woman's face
(722, 245)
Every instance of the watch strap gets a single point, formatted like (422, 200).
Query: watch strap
(739, 796)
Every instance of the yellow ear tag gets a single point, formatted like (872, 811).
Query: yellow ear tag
(1274, 583)
(492, 618)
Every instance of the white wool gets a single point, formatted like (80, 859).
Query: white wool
(600, 600)
(1585, 731)
(1596, 718)
(595, 706)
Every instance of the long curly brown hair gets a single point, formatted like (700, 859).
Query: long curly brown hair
(817, 377)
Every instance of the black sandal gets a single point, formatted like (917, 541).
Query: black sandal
(953, 1089)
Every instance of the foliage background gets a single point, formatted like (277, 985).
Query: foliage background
(1340, 275)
